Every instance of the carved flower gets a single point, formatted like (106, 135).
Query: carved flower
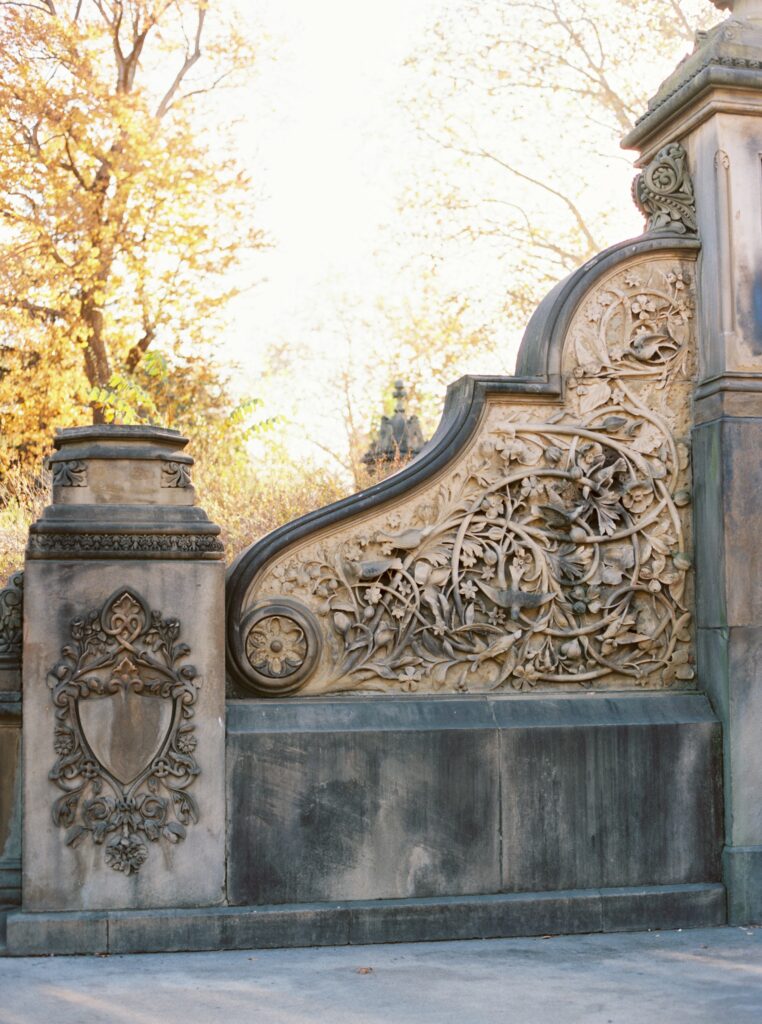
(678, 668)
(186, 743)
(63, 742)
(487, 572)
(409, 678)
(375, 594)
(276, 646)
(126, 854)
(468, 590)
(638, 497)
(492, 506)
(496, 616)
(643, 307)
(394, 520)
(531, 487)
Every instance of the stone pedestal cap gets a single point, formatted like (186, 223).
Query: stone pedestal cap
(122, 491)
(721, 75)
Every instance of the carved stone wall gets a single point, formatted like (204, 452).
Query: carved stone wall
(554, 551)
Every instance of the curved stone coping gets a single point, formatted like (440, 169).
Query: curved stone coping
(538, 377)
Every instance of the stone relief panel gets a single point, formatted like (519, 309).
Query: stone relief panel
(11, 616)
(554, 553)
(124, 701)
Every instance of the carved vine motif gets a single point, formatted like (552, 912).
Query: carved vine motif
(558, 551)
(663, 192)
(70, 474)
(124, 651)
(175, 474)
(11, 615)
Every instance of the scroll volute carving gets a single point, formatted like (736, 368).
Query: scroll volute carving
(554, 552)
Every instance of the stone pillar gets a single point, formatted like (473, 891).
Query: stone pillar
(712, 105)
(11, 601)
(123, 673)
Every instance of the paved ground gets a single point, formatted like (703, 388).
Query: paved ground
(712, 976)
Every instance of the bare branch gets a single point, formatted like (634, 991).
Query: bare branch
(191, 58)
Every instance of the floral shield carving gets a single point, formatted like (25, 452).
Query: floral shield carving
(123, 732)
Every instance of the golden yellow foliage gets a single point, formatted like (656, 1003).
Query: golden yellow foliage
(120, 220)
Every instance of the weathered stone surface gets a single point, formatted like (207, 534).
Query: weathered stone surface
(629, 797)
(10, 801)
(58, 876)
(123, 671)
(358, 923)
(384, 798)
(368, 800)
(743, 878)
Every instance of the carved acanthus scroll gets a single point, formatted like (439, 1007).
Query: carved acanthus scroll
(663, 192)
(555, 552)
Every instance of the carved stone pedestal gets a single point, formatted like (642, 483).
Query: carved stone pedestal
(712, 105)
(123, 682)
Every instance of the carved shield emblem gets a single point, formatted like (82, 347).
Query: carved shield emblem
(124, 701)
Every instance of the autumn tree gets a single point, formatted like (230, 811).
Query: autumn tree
(523, 104)
(123, 213)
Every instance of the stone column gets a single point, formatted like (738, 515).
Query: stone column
(11, 601)
(123, 674)
(712, 105)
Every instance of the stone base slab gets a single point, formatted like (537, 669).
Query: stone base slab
(743, 877)
(573, 911)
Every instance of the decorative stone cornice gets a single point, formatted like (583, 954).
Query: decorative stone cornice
(125, 545)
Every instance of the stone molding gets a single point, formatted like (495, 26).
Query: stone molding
(125, 545)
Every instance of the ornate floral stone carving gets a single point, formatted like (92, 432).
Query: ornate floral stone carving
(663, 192)
(276, 646)
(11, 616)
(175, 474)
(555, 553)
(70, 474)
(129, 795)
(171, 545)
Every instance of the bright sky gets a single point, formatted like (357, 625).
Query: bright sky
(331, 151)
(328, 150)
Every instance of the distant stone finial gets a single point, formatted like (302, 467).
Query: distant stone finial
(399, 437)
(663, 192)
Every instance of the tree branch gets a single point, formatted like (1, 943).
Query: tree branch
(191, 58)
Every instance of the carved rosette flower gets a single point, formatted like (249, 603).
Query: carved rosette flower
(276, 646)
